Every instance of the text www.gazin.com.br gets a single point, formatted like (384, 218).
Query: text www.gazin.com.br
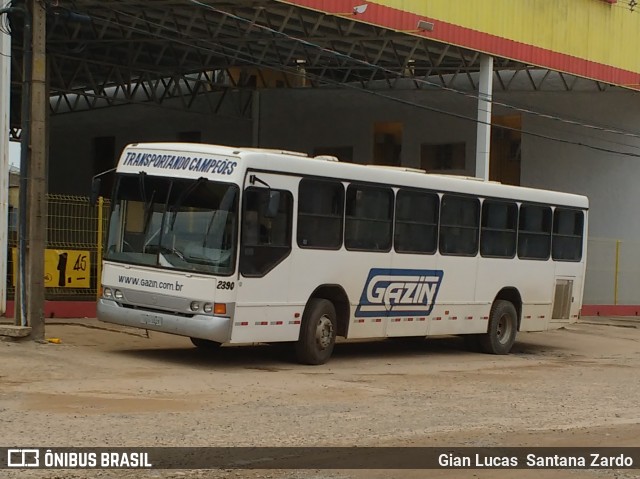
(150, 283)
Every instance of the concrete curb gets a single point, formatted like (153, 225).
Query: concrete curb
(12, 331)
(618, 321)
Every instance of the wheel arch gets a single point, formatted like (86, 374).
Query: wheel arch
(338, 296)
(512, 295)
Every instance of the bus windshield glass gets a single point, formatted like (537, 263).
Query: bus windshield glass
(188, 225)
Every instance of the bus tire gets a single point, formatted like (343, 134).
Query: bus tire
(317, 332)
(503, 327)
(205, 344)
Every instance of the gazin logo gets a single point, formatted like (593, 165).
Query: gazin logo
(399, 292)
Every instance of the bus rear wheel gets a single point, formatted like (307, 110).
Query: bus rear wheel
(317, 332)
(503, 327)
(205, 344)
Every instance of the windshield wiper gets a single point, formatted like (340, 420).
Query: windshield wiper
(182, 197)
(147, 204)
(225, 206)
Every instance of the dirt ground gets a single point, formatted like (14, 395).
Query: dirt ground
(108, 386)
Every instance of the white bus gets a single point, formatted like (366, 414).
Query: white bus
(241, 245)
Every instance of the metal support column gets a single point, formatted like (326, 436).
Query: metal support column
(37, 202)
(483, 144)
(5, 89)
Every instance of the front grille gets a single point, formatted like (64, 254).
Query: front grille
(156, 310)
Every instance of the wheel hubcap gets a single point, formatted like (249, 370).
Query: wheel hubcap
(324, 332)
(503, 331)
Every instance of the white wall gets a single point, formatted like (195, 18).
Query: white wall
(301, 120)
(304, 119)
(608, 179)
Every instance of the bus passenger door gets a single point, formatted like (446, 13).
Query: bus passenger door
(262, 311)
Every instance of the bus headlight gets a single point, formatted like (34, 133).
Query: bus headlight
(207, 308)
(106, 292)
(118, 294)
(194, 306)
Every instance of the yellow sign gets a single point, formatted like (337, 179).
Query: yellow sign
(62, 268)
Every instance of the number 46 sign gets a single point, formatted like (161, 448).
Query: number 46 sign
(62, 268)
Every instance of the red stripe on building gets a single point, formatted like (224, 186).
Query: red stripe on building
(388, 17)
(610, 310)
(62, 309)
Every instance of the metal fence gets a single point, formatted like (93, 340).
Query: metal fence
(73, 226)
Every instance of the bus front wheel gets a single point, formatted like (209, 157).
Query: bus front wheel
(317, 332)
(503, 327)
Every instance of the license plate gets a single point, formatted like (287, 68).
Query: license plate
(152, 320)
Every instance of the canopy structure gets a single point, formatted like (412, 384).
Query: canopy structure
(104, 54)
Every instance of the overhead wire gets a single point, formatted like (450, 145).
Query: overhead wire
(250, 60)
(423, 81)
(414, 79)
(279, 67)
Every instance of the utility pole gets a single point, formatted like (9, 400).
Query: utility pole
(5, 89)
(37, 181)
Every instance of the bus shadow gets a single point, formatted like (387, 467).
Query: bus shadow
(280, 357)
(262, 356)
(535, 350)
(430, 347)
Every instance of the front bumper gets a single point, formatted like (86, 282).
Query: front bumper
(215, 328)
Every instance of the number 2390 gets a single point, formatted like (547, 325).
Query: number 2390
(225, 285)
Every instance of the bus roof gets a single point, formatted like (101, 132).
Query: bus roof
(289, 162)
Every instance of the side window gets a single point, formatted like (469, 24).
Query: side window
(568, 226)
(266, 241)
(499, 229)
(534, 235)
(320, 214)
(459, 225)
(369, 216)
(416, 222)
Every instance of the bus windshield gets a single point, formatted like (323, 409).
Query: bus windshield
(188, 225)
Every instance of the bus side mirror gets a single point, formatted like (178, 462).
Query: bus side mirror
(273, 205)
(95, 191)
(98, 188)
